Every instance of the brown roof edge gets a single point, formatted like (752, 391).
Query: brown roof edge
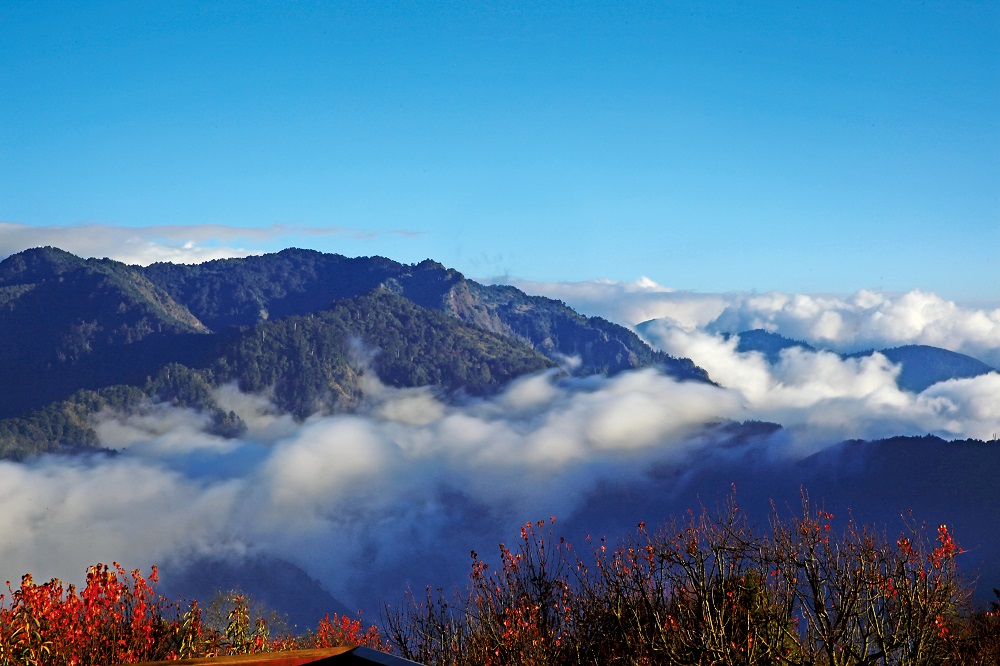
(338, 656)
(365, 655)
(283, 658)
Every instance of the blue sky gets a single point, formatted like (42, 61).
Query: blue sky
(813, 147)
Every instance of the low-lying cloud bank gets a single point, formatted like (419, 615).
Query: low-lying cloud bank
(864, 320)
(351, 492)
(817, 396)
(400, 491)
(822, 398)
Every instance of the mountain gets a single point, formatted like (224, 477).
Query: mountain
(876, 481)
(81, 336)
(767, 343)
(921, 365)
(243, 292)
(305, 363)
(306, 360)
(277, 585)
(67, 323)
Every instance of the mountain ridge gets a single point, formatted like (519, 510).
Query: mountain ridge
(921, 366)
(68, 324)
(88, 334)
(317, 279)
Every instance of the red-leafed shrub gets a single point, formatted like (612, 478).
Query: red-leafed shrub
(708, 589)
(118, 618)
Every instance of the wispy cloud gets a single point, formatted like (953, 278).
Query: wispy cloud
(186, 244)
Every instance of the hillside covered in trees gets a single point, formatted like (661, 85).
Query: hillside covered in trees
(85, 335)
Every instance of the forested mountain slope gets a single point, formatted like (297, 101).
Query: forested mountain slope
(305, 364)
(241, 292)
(67, 323)
(80, 336)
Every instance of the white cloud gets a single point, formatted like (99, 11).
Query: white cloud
(966, 405)
(822, 398)
(58, 515)
(866, 319)
(159, 430)
(322, 486)
(131, 245)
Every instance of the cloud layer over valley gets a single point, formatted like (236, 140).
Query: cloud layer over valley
(353, 492)
(398, 492)
(823, 398)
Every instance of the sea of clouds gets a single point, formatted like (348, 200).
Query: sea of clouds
(408, 475)
(398, 493)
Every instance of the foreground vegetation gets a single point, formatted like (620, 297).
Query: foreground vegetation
(704, 589)
(118, 619)
(709, 589)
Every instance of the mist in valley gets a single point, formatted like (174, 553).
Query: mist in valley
(398, 493)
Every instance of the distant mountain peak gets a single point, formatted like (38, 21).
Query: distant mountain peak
(768, 343)
(924, 365)
(921, 365)
(37, 264)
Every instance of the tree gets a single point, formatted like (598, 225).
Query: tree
(707, 589)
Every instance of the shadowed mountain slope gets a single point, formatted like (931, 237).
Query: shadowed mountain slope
(923, 365)
(68, 323)
(301, 326)
(306, 364)
(313, 362)
(767, 343)
(242, 292)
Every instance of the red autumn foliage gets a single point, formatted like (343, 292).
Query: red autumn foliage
(705, 589)
(118, 619)
(709, 589)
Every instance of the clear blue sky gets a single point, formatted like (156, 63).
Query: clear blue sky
(712, 146)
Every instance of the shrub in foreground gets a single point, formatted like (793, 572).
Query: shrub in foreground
(709, 589)
(118, 618)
